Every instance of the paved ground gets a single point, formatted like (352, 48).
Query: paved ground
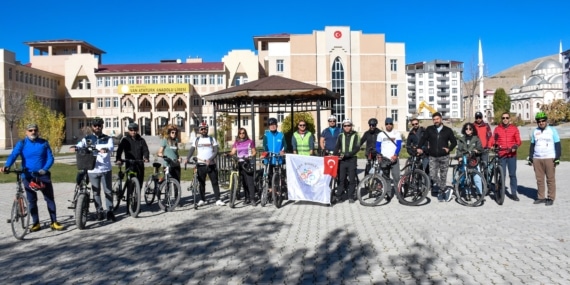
(438, 243)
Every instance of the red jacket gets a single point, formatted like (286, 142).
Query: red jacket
(484, 133)
(508, 138)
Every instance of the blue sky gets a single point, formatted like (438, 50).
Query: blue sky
(512, 32)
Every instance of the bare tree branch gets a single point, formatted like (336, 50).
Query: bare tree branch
(12, 106)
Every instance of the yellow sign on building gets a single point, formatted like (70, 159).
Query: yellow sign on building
(153, 88)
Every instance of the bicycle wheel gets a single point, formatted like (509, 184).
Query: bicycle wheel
(118, 193)
(149, 190)
(371, 190)
(279, 189)
(234, 189)
(413, 190)
(134, 197)
(499, 185)
(264, 192)
(333, 186)
(466, 189)
(81, 210)
(20, 218)
(169, 195)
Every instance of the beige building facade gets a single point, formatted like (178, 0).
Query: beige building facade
(367, 72)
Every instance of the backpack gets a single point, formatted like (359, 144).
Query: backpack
(211, 141)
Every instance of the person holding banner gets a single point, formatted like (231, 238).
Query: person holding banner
(389, 144)
(303, 141)
(347, 146)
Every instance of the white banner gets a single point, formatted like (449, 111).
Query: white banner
(306, 180)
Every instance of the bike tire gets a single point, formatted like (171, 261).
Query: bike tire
(333, 186)
(414, 191)
(264, 192)
(169, 195)
(81, 211)
(118, 193)
(463, 189)
(371, 190)
(20, 217)
(499, 185)
(134, 197)
(149, 190)
(234, 189)
(278, 193)
(194, 188)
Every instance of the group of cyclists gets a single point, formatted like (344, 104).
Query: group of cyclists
(433, 145)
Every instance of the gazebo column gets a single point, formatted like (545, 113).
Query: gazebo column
(318, 124)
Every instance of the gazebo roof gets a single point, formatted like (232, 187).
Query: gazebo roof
(273, 88)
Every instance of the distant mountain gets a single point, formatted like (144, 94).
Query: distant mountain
(513, 76)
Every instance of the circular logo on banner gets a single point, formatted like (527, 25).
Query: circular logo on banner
(337, 34)
(309, 175)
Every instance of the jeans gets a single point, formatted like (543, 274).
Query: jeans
(212, 172)
(104, 180)
(510, 163)
(32, 197)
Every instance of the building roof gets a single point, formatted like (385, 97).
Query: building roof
(161, 67)
(42, 45)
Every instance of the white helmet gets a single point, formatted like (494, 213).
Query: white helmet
(332, 118)
(347, 121)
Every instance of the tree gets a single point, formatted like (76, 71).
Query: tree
(556, 111)
(13, 110)
(224, 122)
(288, 132)
(501, 103)
(470, 86)
(51, 124)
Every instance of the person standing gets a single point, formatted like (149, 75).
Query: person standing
(244, 148)
(507, 137)
(484, 133)
(347, 147)
(413, 140)
(303, 141)
(273, 142)
(207, 151)
(37, 159)
(134, 147)
(441, 142)
(544, 155)
(369, 138)
(329, 136)
(470, 144)
(101, 175)
(169, 148)
(389, 144)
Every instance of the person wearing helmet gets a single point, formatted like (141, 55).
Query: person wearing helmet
(206, 165)
(329, 136)
(101, 174)
(37, 159)
(134, 147)
(369, 138)
(508, 139)
(274, 142)
(169, 148)
(544, 155)
(303, 141)
(347, 146)
(388, 145)
(484, 133)
(244, 148)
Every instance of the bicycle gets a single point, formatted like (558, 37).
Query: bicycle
(85, 158)
(414, 185)
(133, 188)
(195, 184)
(236, 176)
(19, 215)
(372, 189)
(495, 177)
(165, 188)
(278, 180)
(465, 187)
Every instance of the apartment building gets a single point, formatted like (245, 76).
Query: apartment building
(364, 69)
(435, 86)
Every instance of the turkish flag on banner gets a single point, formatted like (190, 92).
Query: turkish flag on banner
(331, 165)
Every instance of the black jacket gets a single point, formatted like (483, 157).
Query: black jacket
(438, 140)
(414, 139)
(369, 137)
(134, 148)
(352, 135)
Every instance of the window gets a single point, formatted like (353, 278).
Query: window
(99, 102)
(204, 79)
(454, 105)
(431, 82)
(17, 75)
(147, 79)
(280, 66)
(454, 82)
(100, 82)
(115, 102)
(10, 73)
(454, 114)
(170, 78)
(81, 123)
(394, 115)
(115, 81)
(454, 90)
(212, 79)
(421, 98)
(420, 91)
(179, 78)
(245, 121)
(220, 79)
(280, 117)
(139, 80)
(195, 79)
(187, 78)
(115, 122)
(420, 83)
(430, 75)
(421, 75)
(337, 75)
(107, 102)
(163, 79)
(393, 65)
(88, 105)
(155, 79)
(211, 121)
(453, 75)
(453, 98)
(430, 91)
(123, 80)
(180, 102)
(203, 102)
(80, 105)
(107, 123)
(196, 100)
(131, 79)
(430, 98)
(394, 90)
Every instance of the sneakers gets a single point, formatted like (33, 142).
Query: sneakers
(220, 203)
(350, 201)
(56, 226)
(201, 203)
(539, 201)
(440, 197)
(111, 216)
(549, 202)
(100, 216)
(448, 195)
(516, 198)
(35, 227)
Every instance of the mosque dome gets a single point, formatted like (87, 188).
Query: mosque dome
(534, 80)
(556, 79)
(548, 64)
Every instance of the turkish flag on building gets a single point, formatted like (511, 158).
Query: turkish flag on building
(331, 165)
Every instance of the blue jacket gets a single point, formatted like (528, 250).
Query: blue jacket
(36, 155)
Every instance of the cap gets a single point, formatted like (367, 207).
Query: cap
(133, 126)
(389, 121)
(478, 115)
(32, 126)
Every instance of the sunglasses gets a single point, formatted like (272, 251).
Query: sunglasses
(33, 131)
(468, 129)
(347, 126)
(415, 124)
(302, 125)
(373, 125)
(173, 132)
(389, 124)
(203, 129)
(132, 130)
(505, 118)
(476, 118)
(330, 121)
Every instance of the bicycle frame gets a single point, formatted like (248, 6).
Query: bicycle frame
(20, 216)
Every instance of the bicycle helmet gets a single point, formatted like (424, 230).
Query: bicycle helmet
(271, 121)
(203, 125)
(332, 118)
(373, 121)
(97, 121)
(36, 184)
(478, 115)
(133, 126)
(346, 121)
(540, 116)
